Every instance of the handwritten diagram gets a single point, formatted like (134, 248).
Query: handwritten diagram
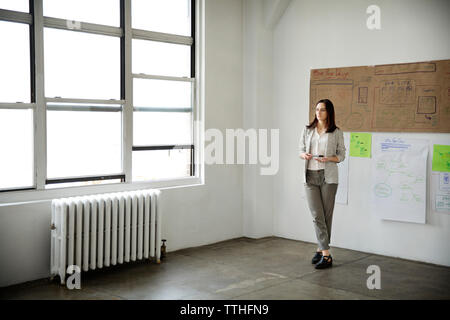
(399, 185)
(440, 191)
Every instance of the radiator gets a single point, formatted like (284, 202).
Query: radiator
(107, 229)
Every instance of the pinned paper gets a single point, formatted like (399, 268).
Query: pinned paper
(441, 158)
(442, 202)
(444, 181)
(360, 144)
(399, 179)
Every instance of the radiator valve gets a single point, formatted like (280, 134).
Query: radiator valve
(163, 249)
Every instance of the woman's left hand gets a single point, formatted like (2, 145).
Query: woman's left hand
(327, 159)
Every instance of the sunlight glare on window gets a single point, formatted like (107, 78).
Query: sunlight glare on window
(16, 145)
(14, 5)
(105, 12)
(161, 93)
(81, 65)
(168, 16)
(14, 62)
(83, 143)
(159, 58)
(162, 128)
(161, 164)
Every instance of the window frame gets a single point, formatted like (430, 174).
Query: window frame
(39, 102)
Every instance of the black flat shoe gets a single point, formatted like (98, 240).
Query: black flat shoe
(325, 262)
(316, 257)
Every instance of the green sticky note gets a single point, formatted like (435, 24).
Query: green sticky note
(441, 158)
(360, 144)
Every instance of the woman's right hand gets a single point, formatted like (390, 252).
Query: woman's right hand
(306, 156)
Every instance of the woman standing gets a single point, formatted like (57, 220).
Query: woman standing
(322, 147)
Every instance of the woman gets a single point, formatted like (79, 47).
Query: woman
(322, 146)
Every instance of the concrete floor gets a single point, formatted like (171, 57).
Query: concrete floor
(247, 269)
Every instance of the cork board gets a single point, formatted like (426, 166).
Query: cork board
(407, 97)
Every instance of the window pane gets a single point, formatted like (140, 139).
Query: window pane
(161, 128)
(14, 62)
(81, 143)
(158, 58)
(16, 145)
(15, 5)
(161, 164)
(105, 12)
(168, 16)
(161, 93)
(81, 65)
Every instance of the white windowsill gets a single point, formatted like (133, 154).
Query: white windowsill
(28, 196)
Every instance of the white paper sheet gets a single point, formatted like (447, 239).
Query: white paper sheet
(440, 191)
(399, 178)
(342, 191)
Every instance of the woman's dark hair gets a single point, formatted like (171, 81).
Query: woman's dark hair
(331, 124)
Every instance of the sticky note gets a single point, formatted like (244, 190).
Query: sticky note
(441, 158)
(360, 144)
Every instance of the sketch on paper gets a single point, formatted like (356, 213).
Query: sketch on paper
(440, 192)
(399, 173)
(406, 97)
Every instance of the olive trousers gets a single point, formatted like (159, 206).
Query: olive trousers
(321, 197)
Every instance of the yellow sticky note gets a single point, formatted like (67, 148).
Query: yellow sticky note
(441, 158)
(360, 144)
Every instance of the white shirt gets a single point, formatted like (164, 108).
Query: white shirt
(318, 147)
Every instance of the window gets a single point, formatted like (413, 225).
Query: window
(164, 94)
(96, 92)
(162, 128)
(105, 12)
(168, 16)
(161, 164)
(159, 58)
(16, 143)
(14, 62)
(15, 5)
(16, 110)
(83, 143)
(82, 76)
(163, 90)
(81, 65)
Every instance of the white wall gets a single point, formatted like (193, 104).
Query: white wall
(257, 82)
(260, 17)
(329, 33)
(193, 216)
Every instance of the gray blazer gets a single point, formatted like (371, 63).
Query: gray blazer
(335, 147)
